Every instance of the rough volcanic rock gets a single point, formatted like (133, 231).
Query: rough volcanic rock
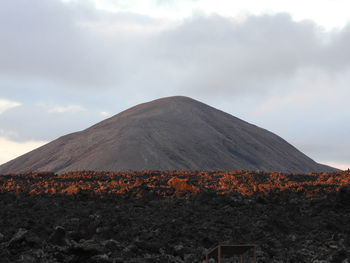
(58, 237)
(175, 133)
(173, 229)
(344, 195)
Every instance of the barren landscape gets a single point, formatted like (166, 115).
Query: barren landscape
(173, 216)
(174, 131)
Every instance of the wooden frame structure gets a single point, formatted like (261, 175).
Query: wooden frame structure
(244, 253)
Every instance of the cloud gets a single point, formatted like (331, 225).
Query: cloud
(172, 2)
(49, 41)
(83, 48)
(64, 109)
(207, 52)
(105, 113)
(7, 104)
(8, 133)
(34, 122)
(10, 149)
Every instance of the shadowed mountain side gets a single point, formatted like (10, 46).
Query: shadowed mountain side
(174, 133)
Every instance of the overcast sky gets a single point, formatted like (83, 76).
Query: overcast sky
(282, 65)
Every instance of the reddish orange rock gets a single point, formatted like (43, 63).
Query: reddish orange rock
(71, 190)
(181, 185)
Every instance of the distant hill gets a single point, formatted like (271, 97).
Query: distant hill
(174, 133)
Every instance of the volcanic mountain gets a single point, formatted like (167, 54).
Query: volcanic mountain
(174, 133)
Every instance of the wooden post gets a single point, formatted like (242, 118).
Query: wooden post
(241, 253)
(254, 253)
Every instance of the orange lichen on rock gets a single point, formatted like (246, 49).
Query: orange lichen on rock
(182, 185)
(71, 190)
(165, 182)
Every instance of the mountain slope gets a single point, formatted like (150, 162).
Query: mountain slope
(167, 134)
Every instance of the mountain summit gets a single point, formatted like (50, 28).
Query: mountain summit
(174, 133)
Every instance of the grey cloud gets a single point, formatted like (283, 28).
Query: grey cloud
(335, 55)
(171, 2)
(64, 44)
(32, 122)
(217, 52)
(47, 40)
(211, 53)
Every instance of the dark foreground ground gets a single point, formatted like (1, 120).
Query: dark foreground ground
(162, 217)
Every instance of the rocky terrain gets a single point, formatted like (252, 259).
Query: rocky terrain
(154, 216)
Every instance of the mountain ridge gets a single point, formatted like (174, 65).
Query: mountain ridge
(172, 133)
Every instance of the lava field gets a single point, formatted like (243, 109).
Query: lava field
(173, 216)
